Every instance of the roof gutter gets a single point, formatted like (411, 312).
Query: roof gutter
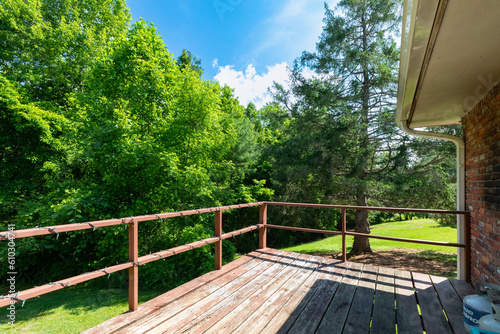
(409, 19)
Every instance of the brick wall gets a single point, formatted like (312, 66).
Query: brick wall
(482, 167)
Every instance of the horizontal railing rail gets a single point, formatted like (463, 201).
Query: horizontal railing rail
(32, 232)
(135, 261)
(369, 208)
(343, 231)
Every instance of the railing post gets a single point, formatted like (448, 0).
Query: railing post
(133, 272)
(263, 229)
(468, 277)
(218, 244)
(344, 252)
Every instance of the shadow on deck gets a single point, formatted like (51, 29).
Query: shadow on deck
(272, 291)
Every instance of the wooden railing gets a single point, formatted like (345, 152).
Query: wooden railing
(135, 261)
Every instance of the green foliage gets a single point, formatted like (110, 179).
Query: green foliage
(332, 138)
(100, 121)
(186, 61)
(32, 146)
(49, 45)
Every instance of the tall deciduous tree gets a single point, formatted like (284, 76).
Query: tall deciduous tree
(346, 110)
(48, 46)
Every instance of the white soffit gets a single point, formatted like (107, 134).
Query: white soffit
(463, 66)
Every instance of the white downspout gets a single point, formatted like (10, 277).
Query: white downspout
(460, 188)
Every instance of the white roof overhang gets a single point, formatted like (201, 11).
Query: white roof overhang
(450, 59)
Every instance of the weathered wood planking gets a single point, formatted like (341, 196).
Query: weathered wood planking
(122, 320)
(407, 316)
(249, 305)
(432, 313)
(384, 309)
(292, 306)
(196, 304)
(204, 320)
(336, 314)
(323, 292)
(272, 291)
(358, 320)
(231, 308)
(261, 317)
(176, 316)
(462, 288)
(451, 302)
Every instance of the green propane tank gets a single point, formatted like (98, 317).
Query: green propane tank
(491, 322)
(478, 305)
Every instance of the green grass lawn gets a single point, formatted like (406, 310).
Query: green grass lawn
(424, 229)
(69, 310)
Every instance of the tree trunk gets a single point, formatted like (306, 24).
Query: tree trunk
(361, 244)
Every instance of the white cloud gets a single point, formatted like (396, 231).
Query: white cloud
(252, 87)
(215, 62)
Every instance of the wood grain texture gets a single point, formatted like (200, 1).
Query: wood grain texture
(244, 263)
(251, 303)
(336, 315)
(384, 306)
(407, 316)
(273, 291)
(266, 312)
(195, 304)
(230, 308)
(292, 307)
(451, 302)
(433, 316)
(322, 292)
(358, 320)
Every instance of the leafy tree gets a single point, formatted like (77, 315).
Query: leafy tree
(341, 144)
(140, 135)
(32, 146)
(344, 113)
(49, 45)
(187, 61)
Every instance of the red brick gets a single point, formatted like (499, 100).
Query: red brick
(481, 129)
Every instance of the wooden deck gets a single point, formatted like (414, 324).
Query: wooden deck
(272, 291)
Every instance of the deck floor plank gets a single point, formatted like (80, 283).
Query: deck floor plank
(204, 307)
(327, 283)
(273, 291)
(358, 320)
(204, 319)
(432, 312)
(244, 310)
(263, 315)
(231, 307)
(335, 316)
(292, 307)
(384, 308)
(407, 316)
(462, 288)
(451, 302)
(244, 263)
(206, 294)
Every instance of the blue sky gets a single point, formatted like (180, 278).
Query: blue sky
(246, 44)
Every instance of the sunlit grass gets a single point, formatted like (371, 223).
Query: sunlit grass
(70, 310)
(424, 229)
